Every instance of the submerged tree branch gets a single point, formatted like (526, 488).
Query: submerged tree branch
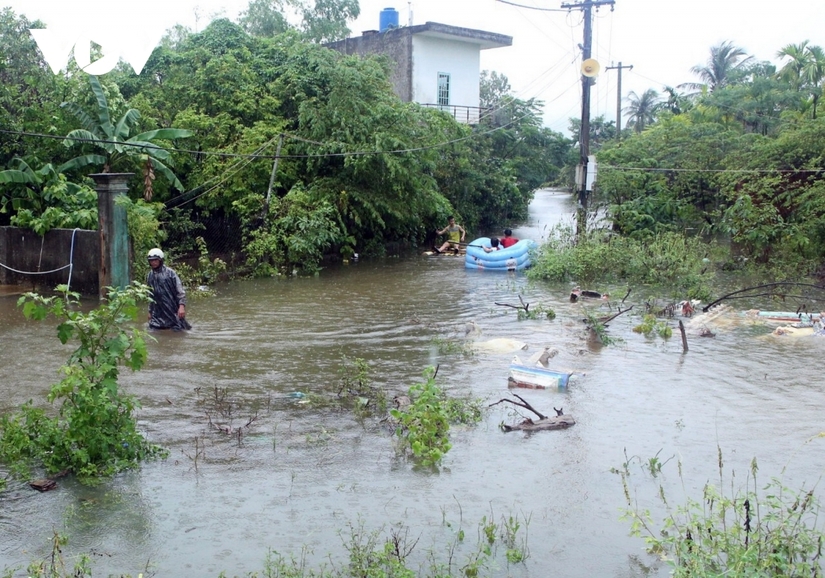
(738, 294)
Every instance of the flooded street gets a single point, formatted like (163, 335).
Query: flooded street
(302, 475)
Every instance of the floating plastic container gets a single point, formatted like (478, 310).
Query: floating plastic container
(388, 19)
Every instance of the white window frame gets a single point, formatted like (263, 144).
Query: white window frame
(442, 89)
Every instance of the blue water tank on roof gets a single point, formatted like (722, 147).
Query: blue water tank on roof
(388, 19)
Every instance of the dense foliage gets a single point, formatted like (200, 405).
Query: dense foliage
(663, 259)
(284, 152)
(739, 157)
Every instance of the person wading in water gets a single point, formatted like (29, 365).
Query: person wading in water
(167, 310)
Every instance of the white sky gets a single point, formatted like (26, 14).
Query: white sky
(662, 39)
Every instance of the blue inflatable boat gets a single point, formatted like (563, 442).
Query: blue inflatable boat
(513, 258)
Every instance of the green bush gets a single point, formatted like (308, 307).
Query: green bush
(94, 432)
(145, 231)
(665, 259)
(756, 532)
(424, 425)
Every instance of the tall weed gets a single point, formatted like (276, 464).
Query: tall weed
(761, 530)
(665, 259)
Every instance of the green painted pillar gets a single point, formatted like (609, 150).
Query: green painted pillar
(114, 231)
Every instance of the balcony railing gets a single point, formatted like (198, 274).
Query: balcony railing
(463, 114)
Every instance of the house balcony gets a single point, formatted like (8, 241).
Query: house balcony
(463, 114)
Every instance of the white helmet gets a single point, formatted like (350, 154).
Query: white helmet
(155, 254)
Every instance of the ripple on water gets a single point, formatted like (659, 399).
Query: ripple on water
(302, 474)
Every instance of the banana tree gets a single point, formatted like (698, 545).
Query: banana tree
(46, 199)
(116, 145)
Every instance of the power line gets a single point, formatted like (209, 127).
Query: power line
(144, 146)
(532, 7)
(736, 171)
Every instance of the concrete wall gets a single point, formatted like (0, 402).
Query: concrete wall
(23, 250)
(396, 45)
(460, 60)
(418, 53)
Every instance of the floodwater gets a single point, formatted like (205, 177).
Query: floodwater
(303, 475)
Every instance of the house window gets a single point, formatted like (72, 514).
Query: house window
(443, 90)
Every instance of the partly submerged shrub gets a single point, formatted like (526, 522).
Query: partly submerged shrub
(758, 531)
(665, 259)
(95, 431)
(424, 424)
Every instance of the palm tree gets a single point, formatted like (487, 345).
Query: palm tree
(676, 102)
(642, 109)
(716, 73)
(114, 141)
(792, 71)
(813, 73)
(805, 70)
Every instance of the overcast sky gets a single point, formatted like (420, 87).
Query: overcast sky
(662, 39)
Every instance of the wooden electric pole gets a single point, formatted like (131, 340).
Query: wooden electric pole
(619, 98)
(585, 6)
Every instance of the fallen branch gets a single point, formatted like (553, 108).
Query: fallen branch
(736, 294)
(524, 306)
(604, 320)
(559, 421)
(625, 297)
(523, 404)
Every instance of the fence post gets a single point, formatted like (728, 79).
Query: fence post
(114, 231)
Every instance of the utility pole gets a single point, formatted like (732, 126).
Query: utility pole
(619, 98)
(585, 6)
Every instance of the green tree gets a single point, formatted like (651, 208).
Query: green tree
(494, 89)
(797, 55)
(326, 20)
(676, 103)
(725, 58)
(641, 110)
(113, 139)
(776, 204)
(666, 178)
(30, 95)
(756, 106)
(804, 71)
(321, 20)
(265, 17)
(45, 200)
(601, 132)
(813, 73)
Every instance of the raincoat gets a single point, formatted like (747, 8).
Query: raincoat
(168, 295)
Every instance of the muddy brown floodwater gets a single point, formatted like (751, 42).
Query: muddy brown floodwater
(302, 475)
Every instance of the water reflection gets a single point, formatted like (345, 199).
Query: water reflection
(300, 474)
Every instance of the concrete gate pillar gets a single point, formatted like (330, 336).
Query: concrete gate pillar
(114, 231)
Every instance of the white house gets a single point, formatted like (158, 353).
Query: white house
(435, 64)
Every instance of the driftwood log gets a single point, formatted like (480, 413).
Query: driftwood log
(558, 421)
(46, 484)
(43, 485)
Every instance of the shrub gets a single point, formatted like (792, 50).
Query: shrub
(664, 259)
(424, 425)
(753, 533)
(95, 432)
